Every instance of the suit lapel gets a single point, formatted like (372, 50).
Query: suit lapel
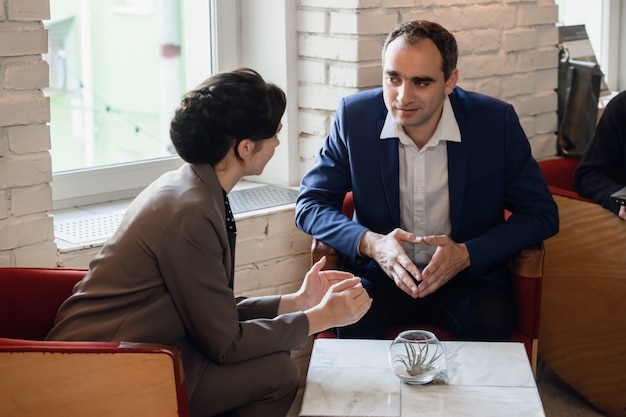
(458, 155)
(206, 173)
(390, 173)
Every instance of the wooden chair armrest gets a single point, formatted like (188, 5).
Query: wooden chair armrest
(529, 262)
(527, 277)
(74, 379)
(333, 258)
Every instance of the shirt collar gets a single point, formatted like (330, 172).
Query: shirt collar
(447, 128)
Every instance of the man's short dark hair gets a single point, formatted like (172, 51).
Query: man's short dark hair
(416, 30)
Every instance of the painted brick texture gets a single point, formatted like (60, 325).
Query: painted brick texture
(26, 228)
(507, 50)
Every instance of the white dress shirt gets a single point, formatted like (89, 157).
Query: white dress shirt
(424, 196)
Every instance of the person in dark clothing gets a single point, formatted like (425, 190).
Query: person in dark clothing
(602, 170)
(432, 168)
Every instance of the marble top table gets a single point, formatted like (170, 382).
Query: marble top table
(350, 377)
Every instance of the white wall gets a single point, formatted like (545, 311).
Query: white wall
(507, 50)
(26, 230)
(318, 50)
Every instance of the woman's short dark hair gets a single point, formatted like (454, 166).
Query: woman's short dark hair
(415, 30)
(224, 110)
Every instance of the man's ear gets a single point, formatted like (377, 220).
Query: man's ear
(451, 81)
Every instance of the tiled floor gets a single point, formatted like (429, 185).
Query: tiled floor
(559, 400)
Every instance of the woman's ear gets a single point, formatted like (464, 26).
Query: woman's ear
(245, 148)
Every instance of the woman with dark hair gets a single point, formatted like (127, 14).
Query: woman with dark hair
(166, 275)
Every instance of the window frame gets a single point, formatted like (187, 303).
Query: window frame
(117, 182)
(614, 51)
(611, 54)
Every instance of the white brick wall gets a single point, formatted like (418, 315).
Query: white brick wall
(507, 49)
(26, 229)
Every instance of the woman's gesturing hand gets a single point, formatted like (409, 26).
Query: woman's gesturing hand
(317, 282)
(343, 304)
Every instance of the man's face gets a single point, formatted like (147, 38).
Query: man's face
(414, 87)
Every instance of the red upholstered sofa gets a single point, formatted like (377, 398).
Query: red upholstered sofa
(72, 379)
(526, 273)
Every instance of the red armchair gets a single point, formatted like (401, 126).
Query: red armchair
(76, 378)
(559, 174)
(583, 326)
(527, 275)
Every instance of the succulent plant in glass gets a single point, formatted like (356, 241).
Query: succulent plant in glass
(417, 357)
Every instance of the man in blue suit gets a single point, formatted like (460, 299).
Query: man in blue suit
(432, 169)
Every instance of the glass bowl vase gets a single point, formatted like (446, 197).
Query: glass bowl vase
(418, 357)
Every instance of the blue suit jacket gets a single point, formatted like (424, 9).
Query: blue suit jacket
(490, 170)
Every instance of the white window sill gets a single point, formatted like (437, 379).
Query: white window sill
(97, 222)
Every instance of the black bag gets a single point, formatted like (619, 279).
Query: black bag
(578, 94)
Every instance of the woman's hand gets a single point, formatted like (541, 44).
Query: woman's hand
(315, 285)
(344, 303)
(317, 282)
(328, 298)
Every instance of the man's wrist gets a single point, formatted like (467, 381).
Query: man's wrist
(365, 244)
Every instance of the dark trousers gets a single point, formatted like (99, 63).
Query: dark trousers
(261, 387)
(469, 309)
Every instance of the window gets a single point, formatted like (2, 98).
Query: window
(117, 71)
(602, 21)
